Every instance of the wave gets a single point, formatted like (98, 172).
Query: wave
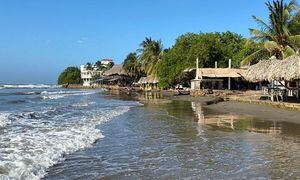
(4, 120)
(62, 94)
(28, 86)
(83, 104)
(29, 153)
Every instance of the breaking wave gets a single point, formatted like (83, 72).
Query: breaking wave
(25, 86)
(62, 94)
(27, 154)
(4, 119)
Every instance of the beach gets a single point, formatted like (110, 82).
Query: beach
(261, 111)
(167, 139)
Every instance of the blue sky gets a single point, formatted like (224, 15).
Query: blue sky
(38, 39)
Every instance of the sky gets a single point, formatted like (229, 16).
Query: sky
(40, 38)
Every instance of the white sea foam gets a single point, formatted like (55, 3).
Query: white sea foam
(29, 153)
(4, 119)
(62, 94)
(84, 104)
(15, 86)
(53, 96)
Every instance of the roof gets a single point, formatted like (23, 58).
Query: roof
(149, 80)
(274, 69)
(221, 72)
(115, 70)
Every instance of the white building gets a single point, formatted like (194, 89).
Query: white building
(87, 75)
(106, 61)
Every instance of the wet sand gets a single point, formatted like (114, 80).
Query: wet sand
(216, 104)
(263, 112)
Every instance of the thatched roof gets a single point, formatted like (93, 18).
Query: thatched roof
(289, 69)
(221, 72)
(148, 80)
(115, 70)
(274, 69)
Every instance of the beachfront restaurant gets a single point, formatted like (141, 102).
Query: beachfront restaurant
(283, 77)
(218, 78)
(114, 76)
(148, 83)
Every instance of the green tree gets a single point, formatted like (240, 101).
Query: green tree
(89, 66)
(133, 66)
(208, 47)
(294, 26)
(102, 67)
(276, 37)
(151, 55)
(70, 75)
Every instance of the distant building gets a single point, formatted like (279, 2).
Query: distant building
(88, 74)
(106, 61)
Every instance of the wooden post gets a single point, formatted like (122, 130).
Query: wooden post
(297, 82)
(197, 68)
(229, 80)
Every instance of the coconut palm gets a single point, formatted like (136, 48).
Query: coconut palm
(132, 66)
(275, 36)
(150, 57)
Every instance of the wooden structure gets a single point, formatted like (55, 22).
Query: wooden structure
(215, 76)
(283, 75)
(148, 83)
(114, 76)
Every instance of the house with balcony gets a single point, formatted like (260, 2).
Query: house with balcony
(87, 74)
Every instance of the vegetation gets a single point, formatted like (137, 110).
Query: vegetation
(70, 75)
(151, 55)
(89, 66)
(208, 47)
(102, 67)
(133, 66)
(280, 37)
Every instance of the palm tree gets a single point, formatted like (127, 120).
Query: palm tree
(275, 36)
(151, 55)
(132, 66)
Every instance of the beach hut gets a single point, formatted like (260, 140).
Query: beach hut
(215, 78)
(116, 70)
(148, 83)
(115, 76)
(282, 74)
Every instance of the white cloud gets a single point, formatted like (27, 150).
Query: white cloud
(82, 40)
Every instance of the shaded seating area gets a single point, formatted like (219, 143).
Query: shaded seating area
(220, 78)
(148, 83)
(283, 77)
(114, 76)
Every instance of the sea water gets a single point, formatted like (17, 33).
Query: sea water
(40, 124)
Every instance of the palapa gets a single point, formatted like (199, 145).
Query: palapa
(274, 69)
(115, 70)
(221, 72)
(148, 80)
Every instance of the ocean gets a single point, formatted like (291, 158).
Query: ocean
(50, 133)
(40, 124)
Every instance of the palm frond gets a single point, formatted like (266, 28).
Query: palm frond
(288, 51)
(256, 56)
(271, 46)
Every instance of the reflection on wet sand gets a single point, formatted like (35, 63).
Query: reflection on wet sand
(235, 122)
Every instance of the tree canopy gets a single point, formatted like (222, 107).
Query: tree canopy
(151, 55)
(70, 75)
(279, 36)
(132, 66)
(208, 47)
